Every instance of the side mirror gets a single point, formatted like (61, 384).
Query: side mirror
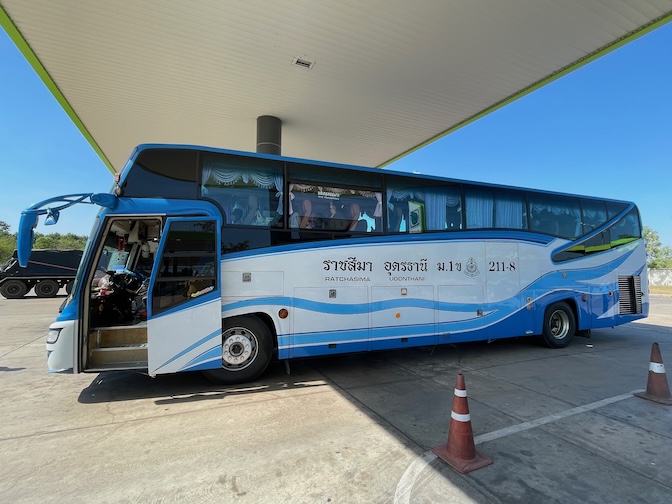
(52, 217)
(25, 238)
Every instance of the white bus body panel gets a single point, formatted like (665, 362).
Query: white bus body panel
(311, 314)
(185, 339)
(378, 295)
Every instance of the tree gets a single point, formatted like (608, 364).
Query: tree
(55, 241)
(58, 241)
(7, 242)
(658, 256)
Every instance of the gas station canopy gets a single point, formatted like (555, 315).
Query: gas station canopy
(359, 82)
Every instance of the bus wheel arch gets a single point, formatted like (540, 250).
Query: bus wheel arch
(14, 289)
(559, 324)
(247, 348)
(268, 321)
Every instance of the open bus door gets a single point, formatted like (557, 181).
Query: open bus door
(184, 316)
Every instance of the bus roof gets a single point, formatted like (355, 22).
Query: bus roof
(287, 159)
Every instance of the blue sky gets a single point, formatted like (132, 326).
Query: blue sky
(604, 130)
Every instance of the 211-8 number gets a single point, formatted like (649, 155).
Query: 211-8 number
(502, 266)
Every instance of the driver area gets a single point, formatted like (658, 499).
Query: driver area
(116, 323)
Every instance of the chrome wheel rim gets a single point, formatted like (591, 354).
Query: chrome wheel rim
(239, 348)
(558, 324)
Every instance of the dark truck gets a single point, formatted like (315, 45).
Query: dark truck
(47, 271)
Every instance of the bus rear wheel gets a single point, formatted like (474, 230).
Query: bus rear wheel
(13, 289)
(246, 351)
(46, 288)
(559, 325)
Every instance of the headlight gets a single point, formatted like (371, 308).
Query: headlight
(52, 335)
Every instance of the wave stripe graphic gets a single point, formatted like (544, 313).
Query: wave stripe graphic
(214, 334)
(576, 283)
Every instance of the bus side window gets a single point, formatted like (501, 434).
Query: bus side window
(550, 226)
(556, 215)
(545, 222)
(593, 215)
(248, 191)
(188, 265)
(302, 216)
(626, 229)
(453, 218)
(398, 218)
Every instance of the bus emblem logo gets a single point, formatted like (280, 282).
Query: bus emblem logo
(471, 268)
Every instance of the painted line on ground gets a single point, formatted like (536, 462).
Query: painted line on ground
(550, 418)
(403, 493)
(405, 485)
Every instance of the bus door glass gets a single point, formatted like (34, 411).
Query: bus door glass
(184, 323)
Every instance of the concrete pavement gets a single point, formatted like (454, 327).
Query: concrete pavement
(560, 425)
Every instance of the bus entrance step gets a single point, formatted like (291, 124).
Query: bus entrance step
(115, 336)
(135, 354)
(120, 366)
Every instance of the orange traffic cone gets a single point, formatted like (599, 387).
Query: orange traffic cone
(460, 452)
(656, 386)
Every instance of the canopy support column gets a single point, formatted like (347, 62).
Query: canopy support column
(269, 135)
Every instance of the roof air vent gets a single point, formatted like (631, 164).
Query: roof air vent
(303, 63)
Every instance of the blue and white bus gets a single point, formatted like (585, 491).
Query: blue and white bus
(220, 261)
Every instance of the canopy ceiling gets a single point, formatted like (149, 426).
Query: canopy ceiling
(375, 80)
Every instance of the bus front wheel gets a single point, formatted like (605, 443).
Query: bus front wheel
(559, 325)
(246, 351)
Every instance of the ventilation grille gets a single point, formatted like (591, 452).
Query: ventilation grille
(303, 63)
(629, 295)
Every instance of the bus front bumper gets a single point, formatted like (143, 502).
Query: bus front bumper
(61, 347)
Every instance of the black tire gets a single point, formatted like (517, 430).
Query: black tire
(247, 348)
(46, 288)
(13, 289)
(68, 287)
(559, 325)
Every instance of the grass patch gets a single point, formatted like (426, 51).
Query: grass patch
(660, 289)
